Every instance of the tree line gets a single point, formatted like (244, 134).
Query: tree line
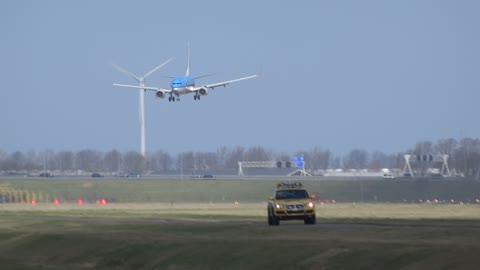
(464, 158)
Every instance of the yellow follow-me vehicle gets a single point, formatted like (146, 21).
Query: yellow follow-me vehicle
(291, 201)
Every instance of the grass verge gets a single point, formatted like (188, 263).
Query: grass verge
(235, 236)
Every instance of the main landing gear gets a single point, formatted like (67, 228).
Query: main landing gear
(196, 97)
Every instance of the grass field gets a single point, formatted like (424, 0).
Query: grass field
(198, 225)
(175, 191)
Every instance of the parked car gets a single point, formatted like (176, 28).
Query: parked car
(97, 175)
(46, 175)
(388, 176)
(134, 175)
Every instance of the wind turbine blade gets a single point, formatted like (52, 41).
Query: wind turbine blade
(155, 69)
(127, 72)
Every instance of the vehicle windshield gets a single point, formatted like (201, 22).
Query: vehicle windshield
(291, 194)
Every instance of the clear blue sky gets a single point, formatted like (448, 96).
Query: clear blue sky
(375, 75)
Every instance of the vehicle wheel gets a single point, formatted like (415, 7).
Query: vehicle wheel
(310, 220)
(270, 218)
(276, 220)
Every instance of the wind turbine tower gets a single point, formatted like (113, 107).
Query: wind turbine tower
(141, 83)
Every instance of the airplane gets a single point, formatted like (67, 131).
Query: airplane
(185, 85)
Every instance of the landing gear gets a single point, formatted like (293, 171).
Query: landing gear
(196, 97)
(173, 99)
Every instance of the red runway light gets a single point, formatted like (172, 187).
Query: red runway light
(33, 202)
(56, 202)
(80, 202)
(103, 201)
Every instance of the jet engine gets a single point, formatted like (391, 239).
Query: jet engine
(203, 91)
(160, 94)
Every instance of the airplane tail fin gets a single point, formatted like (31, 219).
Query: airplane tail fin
(187, 73)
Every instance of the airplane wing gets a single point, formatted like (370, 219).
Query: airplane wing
(225, 83)
(144, 87)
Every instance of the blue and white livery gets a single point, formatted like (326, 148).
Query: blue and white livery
(185, 85)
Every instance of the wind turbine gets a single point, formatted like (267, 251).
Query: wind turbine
(141, 83)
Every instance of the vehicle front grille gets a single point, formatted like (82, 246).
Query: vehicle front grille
(294, 208)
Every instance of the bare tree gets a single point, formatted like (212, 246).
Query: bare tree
(134, 162)
(18, 161)
(423, 148)
(258, 153)
(222, 155)
(113, 161)
(378, 161)
(318, 159)
(186, 162)
(234, 156)
(89, 160)
(446, 146)
(32, 161)
(160, 162)
(65, 161)
(356, 159)
(206, 161)
(467, 157)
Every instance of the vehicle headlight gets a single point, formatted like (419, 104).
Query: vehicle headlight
(278, 206)
(310, 204)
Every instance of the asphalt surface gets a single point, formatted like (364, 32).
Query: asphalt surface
(296, 224)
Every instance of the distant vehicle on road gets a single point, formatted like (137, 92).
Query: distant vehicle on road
(388, 176)
(208, 176)
(119, 174)
(134, 175)
(46, 175)
(97, 175)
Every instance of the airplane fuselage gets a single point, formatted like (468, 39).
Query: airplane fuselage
(182, 85)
